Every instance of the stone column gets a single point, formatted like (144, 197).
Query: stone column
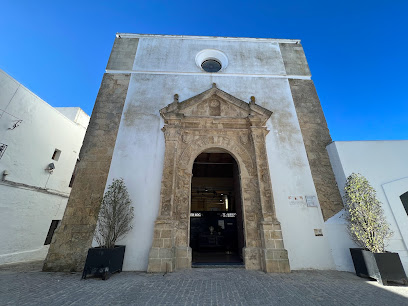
(252, 215)
(161, 256)
(274, 258)
(183, 252)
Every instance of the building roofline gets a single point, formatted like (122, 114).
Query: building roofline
(130, 35)
(369, 140)
(21, 85)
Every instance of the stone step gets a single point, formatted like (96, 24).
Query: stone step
(213, 265)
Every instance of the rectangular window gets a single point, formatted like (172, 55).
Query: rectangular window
(404, 200)
(71, 182)
(53, 227)
(56, 155)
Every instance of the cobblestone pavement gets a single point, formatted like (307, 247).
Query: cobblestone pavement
(24, 284)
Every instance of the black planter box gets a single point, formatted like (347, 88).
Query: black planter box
(103, 262)
(383, 267)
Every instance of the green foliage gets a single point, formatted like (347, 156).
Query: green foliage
(115, 216)
(366, 221)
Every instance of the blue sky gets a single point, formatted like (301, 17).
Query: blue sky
(357, 50)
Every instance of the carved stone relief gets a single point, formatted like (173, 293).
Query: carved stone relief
(215, 119)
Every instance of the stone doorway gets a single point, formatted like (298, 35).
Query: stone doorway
(216, 119)
(216, 227)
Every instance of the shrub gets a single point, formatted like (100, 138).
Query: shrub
(367, 224)
(115, 216)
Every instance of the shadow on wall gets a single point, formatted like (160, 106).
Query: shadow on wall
(340, 242)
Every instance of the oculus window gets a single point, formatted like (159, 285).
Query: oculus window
(211, 65)
(211, 60)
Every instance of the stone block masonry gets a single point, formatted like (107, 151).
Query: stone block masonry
(74, 236)
(72, 239)
(294, 59)
(123, 54)
(316, 137)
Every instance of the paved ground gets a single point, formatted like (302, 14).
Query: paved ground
(24, 284)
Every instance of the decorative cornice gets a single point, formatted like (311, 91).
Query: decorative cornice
(221, 74)
(267, 40)
(177, 110)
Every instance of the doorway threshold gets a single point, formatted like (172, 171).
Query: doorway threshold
(218, 265)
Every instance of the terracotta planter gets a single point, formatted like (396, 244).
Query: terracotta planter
(104, 262)
(383, 267)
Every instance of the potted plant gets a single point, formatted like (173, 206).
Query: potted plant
(369, 229)
(114, 222)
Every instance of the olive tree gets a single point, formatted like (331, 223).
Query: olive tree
(115, 215)
(367, 224)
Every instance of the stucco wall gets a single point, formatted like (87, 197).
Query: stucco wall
(75, 114)
(166, 66)
(27, 206)
(26, 218)
(384, 164)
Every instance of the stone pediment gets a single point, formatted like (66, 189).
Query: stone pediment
(215, 103)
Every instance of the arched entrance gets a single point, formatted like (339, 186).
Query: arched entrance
(215, 119)
(216, 223)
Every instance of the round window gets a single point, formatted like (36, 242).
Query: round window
(211, 60)
(211, 65)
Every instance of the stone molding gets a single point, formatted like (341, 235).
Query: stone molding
(216, 119)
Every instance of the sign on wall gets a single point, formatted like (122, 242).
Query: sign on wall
(298, 200)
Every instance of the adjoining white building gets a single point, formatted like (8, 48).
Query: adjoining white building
(385, 165)
(39, 148)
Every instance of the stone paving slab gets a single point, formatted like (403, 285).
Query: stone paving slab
(24, 284)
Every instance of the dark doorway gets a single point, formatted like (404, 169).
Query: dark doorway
(216, 231)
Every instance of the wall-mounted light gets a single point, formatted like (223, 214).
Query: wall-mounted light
(50, 168)
(225, 198)
(16, 123)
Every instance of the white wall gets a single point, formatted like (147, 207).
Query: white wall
(384, 164)
(75, 114)
(139, 150)
(26, 212)
(26, 218)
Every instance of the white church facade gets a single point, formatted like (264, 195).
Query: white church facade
(222, 144)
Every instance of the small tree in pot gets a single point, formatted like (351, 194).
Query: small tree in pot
(369, 229)
(115, 216)
(114, 222)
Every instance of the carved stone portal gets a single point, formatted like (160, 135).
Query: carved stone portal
(215, 119)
